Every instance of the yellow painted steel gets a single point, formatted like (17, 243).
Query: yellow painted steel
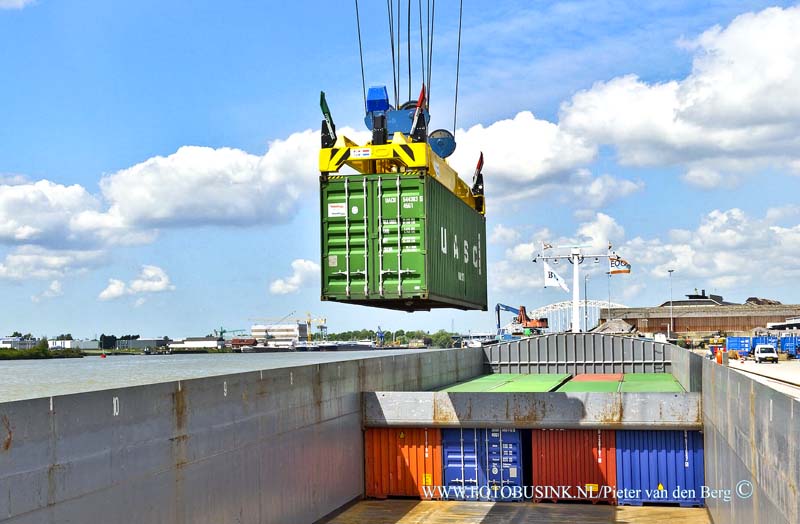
(399, 155)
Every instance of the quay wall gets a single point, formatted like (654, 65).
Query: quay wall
(280, 446)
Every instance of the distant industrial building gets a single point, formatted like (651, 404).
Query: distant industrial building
(705, 315)
(73, 344)
(143, 343)
(280, 335)
(197, 344)
(17, 343)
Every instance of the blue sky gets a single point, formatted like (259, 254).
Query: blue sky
(668, 128)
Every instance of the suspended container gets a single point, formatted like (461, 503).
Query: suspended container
(482, 464)
(402, 462)
(660, 467)
(571, 465)
(401, 241)
(405, 232)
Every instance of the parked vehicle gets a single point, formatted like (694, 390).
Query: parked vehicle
(765, 353)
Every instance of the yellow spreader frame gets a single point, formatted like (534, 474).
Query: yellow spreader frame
(396, 156)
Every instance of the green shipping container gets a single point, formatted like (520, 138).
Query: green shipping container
(401, 241)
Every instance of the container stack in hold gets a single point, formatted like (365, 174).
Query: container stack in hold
(482, 464)
(660, 467)
(400, 462)
(584, 461)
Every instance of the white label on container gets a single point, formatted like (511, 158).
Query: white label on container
(354, 210)
(333, 260)
(337, 210)
(363, 152)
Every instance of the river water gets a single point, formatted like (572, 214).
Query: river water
(24, 379)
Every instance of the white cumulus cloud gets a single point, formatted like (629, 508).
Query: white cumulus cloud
(151, 279)
(503, 235)
(737, 110)
(521, 154)
(38, 263)
(304, 272)
(15, 4)
(53, 290)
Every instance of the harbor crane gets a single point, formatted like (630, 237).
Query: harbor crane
(522, 318)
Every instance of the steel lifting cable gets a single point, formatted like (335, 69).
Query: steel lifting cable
(458, 65)
(421, 45)
(430, 49)
(408, 41)
(399, 57)
(391, 42)
(361, 58)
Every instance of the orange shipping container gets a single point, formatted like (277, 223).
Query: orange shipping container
(399, 462)
(568, 461)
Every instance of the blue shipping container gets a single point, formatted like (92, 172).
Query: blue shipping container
(660, 467)
(789, 346)
(483, 462)
(739, 344)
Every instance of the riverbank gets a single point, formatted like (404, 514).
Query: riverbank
(32, 354)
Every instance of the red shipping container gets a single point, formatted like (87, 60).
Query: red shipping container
(598, 377)
(568, 461)
(400, 461)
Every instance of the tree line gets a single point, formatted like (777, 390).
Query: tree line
(439, 339)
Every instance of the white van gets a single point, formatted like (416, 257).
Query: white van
(765, 353)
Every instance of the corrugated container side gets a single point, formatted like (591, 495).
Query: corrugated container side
(400, 241)
(583, 460)
(789, 346)
(660, 467)
(456, 247)
(742, 345)
(483, 461)
(399, 462)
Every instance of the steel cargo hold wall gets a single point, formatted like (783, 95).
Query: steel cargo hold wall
(660, 467)
(583, 461)
(400, 462)
(401, 241)
(483, 462)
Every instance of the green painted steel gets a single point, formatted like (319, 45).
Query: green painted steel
(604, 386)
(647, 377)
(401, 241)
(532, 384)
(472, 387)
(509, 383)
(663, 386)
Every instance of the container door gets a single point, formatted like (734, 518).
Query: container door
(346, 208)
(660, 467)
(399, 236)
(463, 473)
(503, 464)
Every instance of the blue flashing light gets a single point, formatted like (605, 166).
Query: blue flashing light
(377, 99)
